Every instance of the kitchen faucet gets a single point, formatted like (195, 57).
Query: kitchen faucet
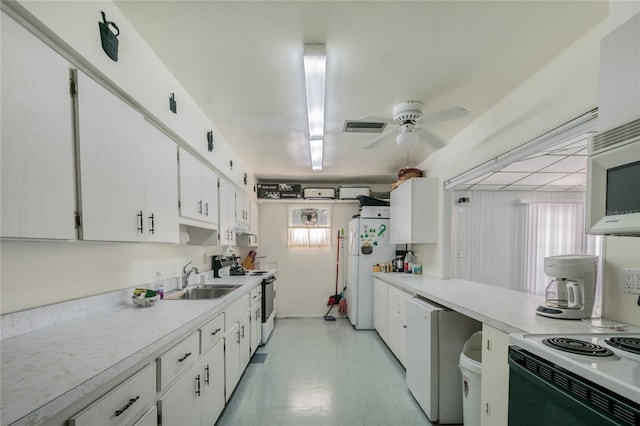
(186, 272)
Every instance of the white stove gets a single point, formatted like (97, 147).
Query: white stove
(606, 360)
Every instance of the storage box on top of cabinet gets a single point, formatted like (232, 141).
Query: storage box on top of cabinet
(414, 212)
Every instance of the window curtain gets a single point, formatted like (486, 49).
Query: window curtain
(309, 227)
(553, 229)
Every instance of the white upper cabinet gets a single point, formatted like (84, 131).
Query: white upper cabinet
(37, 144)
(243, 209)
(414, 212)
(128, 171)
(226, 230)
(198, 191)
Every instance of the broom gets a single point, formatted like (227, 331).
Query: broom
(335, 298)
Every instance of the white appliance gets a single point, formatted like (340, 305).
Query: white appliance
(368, 245)
(572, 291)
(435, 339)
(595, 376)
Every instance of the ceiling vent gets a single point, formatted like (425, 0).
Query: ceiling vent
(354, 126)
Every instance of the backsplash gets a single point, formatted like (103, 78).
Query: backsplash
(17, 323)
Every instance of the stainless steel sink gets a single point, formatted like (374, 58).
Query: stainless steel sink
(203, 291)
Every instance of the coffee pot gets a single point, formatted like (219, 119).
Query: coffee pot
(571, 292)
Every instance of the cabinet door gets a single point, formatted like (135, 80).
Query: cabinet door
(393, 320)
(231, 359)
(401, 307)
(212, 368)
(254, 226)
(190, 186)
(245, 341)
(37, 161)
(227, 213)
(494, 394)
(181, 405)
(400, 214)
(161, 187)
(209, 195)
(111, 165)
(256, 322)
(380, 308)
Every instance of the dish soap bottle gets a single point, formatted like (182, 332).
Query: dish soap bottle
(159, 285)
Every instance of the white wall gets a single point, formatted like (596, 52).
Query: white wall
(486, 229)
(306, 276)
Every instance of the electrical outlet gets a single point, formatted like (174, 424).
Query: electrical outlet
(631, 280)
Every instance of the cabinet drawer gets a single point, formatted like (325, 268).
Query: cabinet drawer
(211, 333)
(255, 295)
(177, 360)
(236, 311)
(122, 404)
(150, 418)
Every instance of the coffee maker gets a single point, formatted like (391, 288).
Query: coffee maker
(571, 292)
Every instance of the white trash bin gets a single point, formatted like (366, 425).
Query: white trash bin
(471, 369)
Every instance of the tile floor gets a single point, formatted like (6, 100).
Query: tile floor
(320, 372)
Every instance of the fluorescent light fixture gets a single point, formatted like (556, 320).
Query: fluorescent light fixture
(315, 66)
(315, 146)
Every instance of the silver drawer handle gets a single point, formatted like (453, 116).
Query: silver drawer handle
(126, 407)
(185, 357)
(216, 332)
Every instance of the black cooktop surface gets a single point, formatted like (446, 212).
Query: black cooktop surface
(578, 347)
(629, 344)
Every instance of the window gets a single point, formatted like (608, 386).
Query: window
(309, 227)
(553, 229)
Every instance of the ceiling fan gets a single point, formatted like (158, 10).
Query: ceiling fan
(410, 118)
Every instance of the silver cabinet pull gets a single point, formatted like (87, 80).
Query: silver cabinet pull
(216, 332)
(200, 206)
(206, 369)
(187, 355)
(198, 385)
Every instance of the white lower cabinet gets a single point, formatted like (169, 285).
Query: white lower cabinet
(123, 404)
(397, 322)
(494, 394)
(256, 325)
(231, 359)
(380, 308)
(390, 317)
(150, 418)
(198, 396)
(177, 360)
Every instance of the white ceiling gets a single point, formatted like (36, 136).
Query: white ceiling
(242, 63)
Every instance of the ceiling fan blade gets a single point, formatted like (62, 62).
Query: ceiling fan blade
(378, 119)
(447, 114)
(430, 138)
(378, 139)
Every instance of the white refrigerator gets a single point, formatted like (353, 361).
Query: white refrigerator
(368, 245)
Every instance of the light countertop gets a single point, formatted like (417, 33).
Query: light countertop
(48, 369)
(506, 310)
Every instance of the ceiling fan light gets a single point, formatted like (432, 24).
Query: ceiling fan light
(407, 139)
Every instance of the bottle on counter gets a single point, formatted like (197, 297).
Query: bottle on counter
(159, 285)
(409, 260)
